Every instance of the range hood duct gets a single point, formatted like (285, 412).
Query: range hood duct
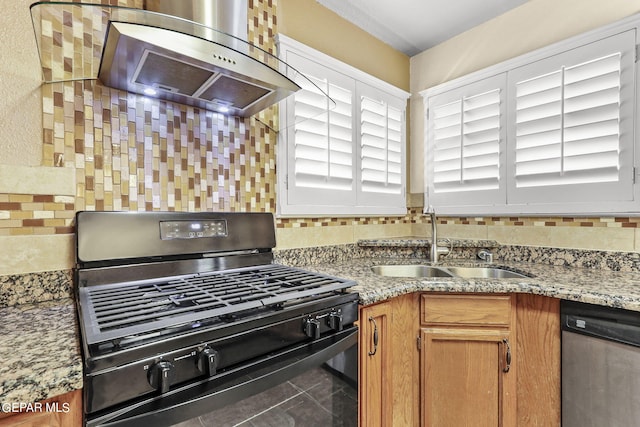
(190, 52)
(226, 16)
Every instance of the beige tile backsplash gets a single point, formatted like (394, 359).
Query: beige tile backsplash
(29, 253)
(16, 179)
(601, 238)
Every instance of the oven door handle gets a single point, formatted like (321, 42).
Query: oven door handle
(199, 398)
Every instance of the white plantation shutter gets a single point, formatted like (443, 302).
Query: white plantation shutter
(573, 133)
(321, 164)
(323, 140)
(396, 143)
(446, 147)
(592, 120)
(381, 148)
(465, 144)
(538, 128)
(344, 155)
(567, 125)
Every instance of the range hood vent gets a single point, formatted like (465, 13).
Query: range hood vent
(158, 54)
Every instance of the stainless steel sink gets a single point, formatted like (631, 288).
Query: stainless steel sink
(484, 272)
(445, 271)
(410, 271)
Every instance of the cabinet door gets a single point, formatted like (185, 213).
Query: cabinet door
(375, 366)
(467, 378)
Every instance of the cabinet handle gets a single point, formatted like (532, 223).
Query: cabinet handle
(375, 336)
(507, 356)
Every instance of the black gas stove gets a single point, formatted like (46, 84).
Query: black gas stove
(183, 313)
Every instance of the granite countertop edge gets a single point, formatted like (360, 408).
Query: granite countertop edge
(601, 287)
(41, 359)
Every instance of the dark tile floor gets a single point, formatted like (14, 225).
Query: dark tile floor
(314, 399)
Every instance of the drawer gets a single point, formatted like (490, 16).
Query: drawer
(479, 310)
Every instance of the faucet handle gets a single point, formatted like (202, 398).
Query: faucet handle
(485, 255)
(445, 250)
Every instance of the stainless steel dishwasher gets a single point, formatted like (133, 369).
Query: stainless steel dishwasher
(600, 366)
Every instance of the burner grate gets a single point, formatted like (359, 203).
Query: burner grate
(120, 310)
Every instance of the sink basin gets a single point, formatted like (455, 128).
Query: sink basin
(484, 272)
(410, 271)
(445, 271)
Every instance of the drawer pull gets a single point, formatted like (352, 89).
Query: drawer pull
(507, 356)
(375, 337)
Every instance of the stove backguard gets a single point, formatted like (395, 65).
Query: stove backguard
(120, 238)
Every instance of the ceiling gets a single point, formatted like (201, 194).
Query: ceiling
(412, 26)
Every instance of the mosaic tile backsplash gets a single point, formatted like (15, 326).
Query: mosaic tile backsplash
(136, 153)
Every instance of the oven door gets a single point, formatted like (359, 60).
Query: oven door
(308, 385)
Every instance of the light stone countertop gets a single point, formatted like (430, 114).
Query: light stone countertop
(39, 350)
(602, 287)
(39, 343)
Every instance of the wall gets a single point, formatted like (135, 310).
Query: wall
(310, 23)
(533, 25)
(20, 75)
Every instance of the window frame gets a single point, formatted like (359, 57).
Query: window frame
(555, 205)
(290, 201)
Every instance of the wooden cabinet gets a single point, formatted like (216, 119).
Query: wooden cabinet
(388, 361)
(455, 374)
(538, 349)
(468, 360)
(375, 366)
(60, 411)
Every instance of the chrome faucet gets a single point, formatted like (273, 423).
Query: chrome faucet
(436, 251)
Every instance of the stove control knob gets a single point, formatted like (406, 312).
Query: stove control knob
(161, 375)
(312, 328)
(208, 361)
(334, 320)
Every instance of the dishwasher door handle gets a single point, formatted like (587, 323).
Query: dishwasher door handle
(601, 328)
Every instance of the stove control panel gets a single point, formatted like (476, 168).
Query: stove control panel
(193, 229)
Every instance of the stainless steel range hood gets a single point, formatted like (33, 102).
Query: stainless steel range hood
(189, 70)
(153, 52)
